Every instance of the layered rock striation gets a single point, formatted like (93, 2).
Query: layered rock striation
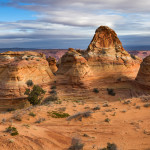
(105, 57)
(16, 68)
(52, 64)
(143, 76)
(73, 67)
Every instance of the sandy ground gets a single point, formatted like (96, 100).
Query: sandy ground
(128, 128)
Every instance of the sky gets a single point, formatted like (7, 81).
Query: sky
(71, 23)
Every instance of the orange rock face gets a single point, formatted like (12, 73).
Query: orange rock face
(104, 58)
(74, 67)
(52, 64)
(16, 68)
(143, 76)
(107, 57)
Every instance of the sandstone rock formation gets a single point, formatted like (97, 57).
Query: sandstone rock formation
(107, 57)
(52, 64)
(74, 67)
(143, 76)
(16, 68)
(104, 58)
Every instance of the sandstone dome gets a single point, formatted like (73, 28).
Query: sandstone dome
(74, 67)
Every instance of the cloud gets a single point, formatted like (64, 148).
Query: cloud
(76, 20)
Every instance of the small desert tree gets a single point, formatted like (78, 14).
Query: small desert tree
(29, 83)
(35, 95)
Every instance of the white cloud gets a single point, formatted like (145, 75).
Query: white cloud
(69, 19)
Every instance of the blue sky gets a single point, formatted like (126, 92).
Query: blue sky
(69, 23)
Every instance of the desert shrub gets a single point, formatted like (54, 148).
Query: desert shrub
(107, 120)
(138, 107)
(53, 87)
(49, 99)
(34, 96)
(76, 144)
(96, 90)
(111, 92)
(12, 130)
(62, 109)
(124, 111)
(40, 120)
(106, 105)
(127, 102)
(29, 83)
(80, 115)
(147, 105)
(17, 117)
(27, 92)
(97, 108)
(133, 56)
(32, 114)
(55, 114)
(110, 146)
(53, 92)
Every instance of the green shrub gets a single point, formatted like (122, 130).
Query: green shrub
(17, 117)
(34, 96)
(107, 120)
(49, 99)
(32, 114)
(55, 114)
(110, 146)
(12, 130)
(97, 108)
(53, 92)
(80, 115)
(147, 105)
(29, 83)
(27, 92)
(96, 90)
(53, 87)
(111, 92)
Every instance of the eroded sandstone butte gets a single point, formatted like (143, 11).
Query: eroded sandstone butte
(73, 68)
(105, 57)
(16, 68)
(143, 76)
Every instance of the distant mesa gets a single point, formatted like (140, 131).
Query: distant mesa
(16, 68)
(104, 58)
